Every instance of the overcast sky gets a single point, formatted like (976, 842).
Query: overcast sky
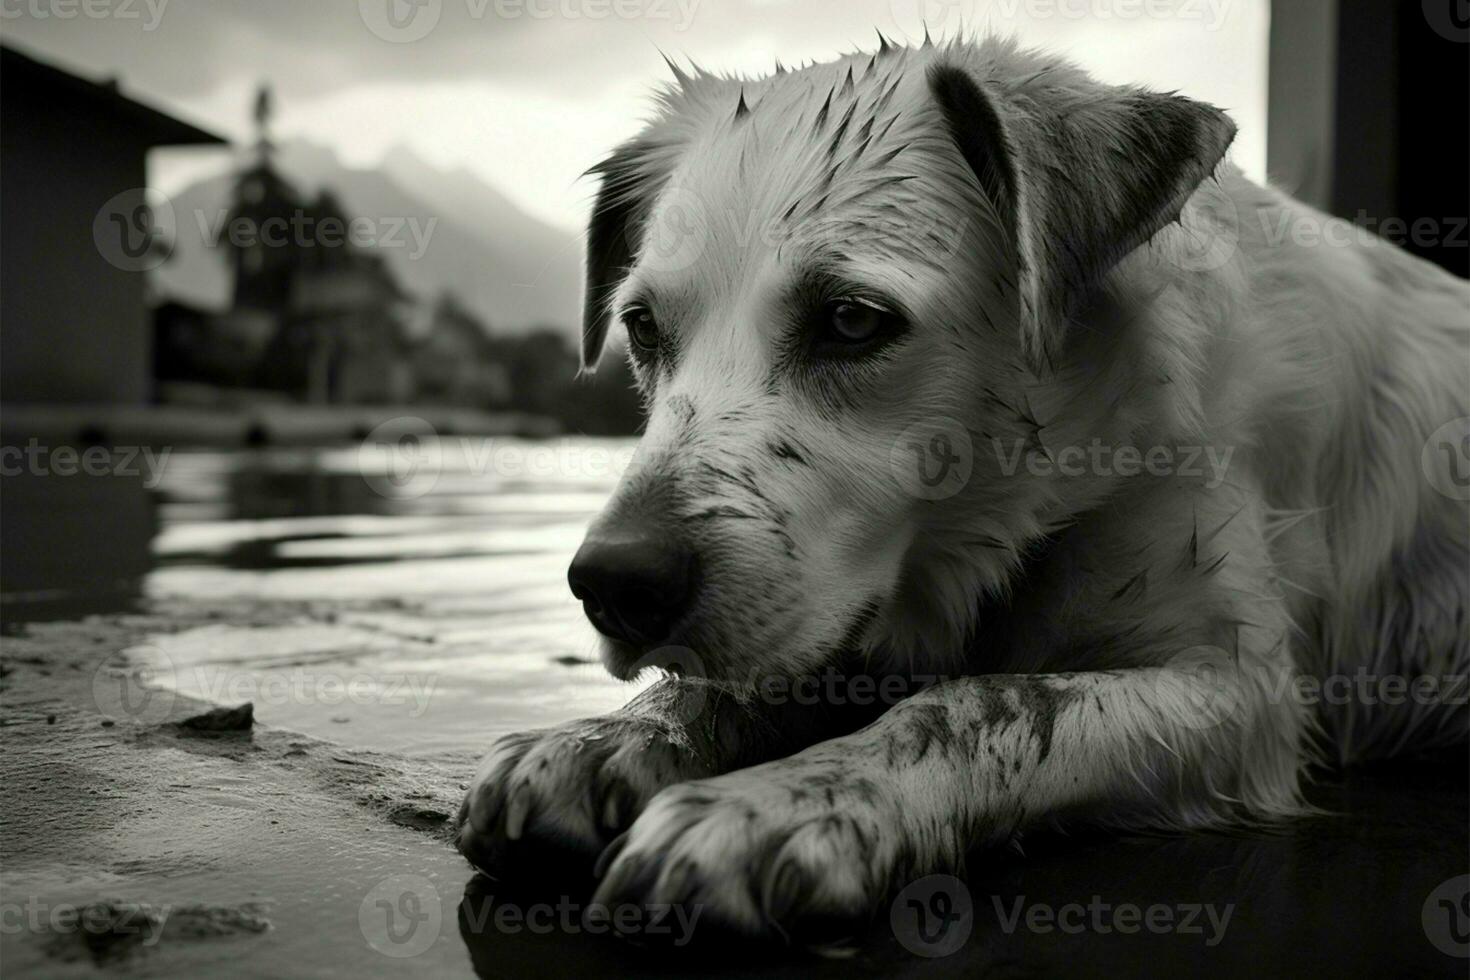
(529, 93)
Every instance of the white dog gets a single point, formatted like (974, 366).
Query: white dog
(991, 396)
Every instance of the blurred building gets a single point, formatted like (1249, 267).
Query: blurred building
(455, 362)
(313, 316)
(76, 235)
(340, 340)
(263, 268)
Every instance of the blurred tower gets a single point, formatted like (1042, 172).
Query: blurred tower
(265, 203)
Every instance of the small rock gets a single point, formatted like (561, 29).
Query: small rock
(237, 719)
(108, 723)
(417, 818)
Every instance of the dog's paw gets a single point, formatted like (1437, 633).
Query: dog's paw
(753, 855)
(565, 792)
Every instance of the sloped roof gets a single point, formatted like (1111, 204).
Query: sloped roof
(22, 76)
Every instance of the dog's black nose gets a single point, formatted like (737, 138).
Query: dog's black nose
(633, 580)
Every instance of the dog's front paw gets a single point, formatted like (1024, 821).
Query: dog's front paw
(566, 792)
(754, 855)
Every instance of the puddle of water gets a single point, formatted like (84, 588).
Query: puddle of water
(445, 614)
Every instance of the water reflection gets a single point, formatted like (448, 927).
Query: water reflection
(80, 543)
(73, 544)
(458, 587)
(1338, 896)
(266, 487)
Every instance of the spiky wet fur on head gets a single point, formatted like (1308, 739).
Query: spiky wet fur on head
(987, 194)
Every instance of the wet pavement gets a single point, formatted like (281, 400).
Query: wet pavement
(386, 629)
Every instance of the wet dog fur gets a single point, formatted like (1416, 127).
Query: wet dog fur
(1072, 264)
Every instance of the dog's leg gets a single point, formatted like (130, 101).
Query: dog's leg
(574, 787)
(825, 834)
(1186, 717)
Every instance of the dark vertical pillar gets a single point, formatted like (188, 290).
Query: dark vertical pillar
(1434, 126)
(1370, 117)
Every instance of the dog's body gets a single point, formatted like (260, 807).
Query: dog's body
(1076, 287)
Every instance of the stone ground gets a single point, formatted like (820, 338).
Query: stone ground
(135, 844)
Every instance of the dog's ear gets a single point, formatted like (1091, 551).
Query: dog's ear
(1080, 180)
(624, 199)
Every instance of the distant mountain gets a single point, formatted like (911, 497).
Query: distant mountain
(475, 203)
(515, 272)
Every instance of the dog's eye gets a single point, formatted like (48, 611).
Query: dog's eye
(847, 325)
(854, 322)
(642, 328)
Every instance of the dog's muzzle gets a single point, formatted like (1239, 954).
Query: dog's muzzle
(634, 581)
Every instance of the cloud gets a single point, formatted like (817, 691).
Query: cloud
(528, 93)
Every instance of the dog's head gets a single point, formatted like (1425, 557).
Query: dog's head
(841, 287)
